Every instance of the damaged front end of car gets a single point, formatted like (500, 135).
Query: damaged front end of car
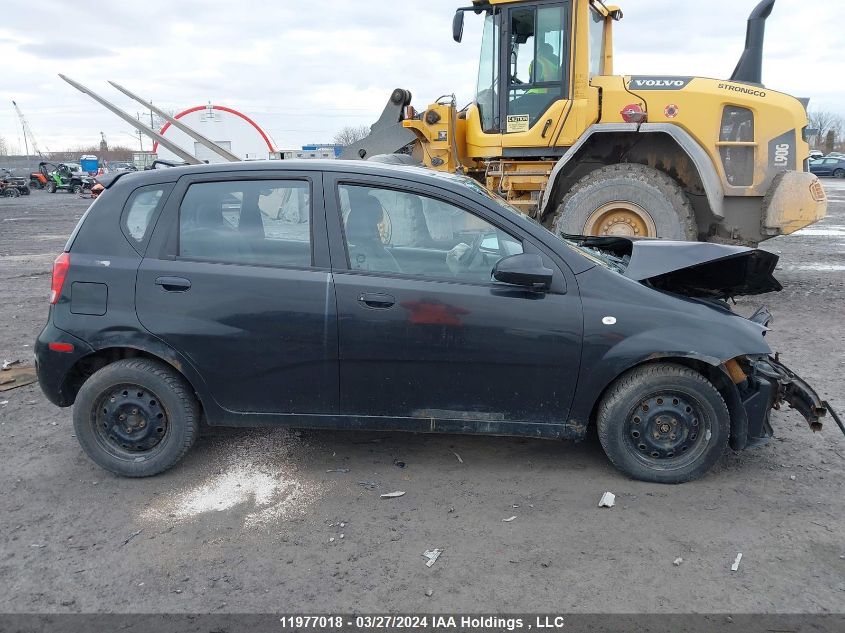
(713, 274)
(763, 384)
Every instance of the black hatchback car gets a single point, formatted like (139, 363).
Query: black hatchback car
(362, 296)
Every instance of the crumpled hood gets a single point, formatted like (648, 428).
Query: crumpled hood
(695, 269)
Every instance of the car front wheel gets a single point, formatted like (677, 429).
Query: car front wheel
(663, 423)
(136, 417)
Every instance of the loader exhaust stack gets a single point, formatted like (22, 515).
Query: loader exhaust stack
(750, 66)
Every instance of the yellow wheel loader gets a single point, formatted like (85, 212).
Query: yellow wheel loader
(584, 151)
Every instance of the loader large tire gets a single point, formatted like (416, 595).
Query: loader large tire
(628, 201)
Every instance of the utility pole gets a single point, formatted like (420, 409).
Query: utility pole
(140, 135)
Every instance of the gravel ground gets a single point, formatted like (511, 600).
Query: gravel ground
(253, 521)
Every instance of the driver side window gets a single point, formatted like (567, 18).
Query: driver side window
(392, 231)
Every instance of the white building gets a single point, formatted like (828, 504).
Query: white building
(228, 128)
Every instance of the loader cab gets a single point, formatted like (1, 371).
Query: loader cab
(533, 54)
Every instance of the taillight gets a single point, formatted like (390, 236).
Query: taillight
(60, 268)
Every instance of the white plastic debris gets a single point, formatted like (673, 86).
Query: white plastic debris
(432, 555)
(7, 364)
(458, 456)
(677, 562)
(735, 565)
(331, 539)
(393, 495)
(792, 477)
(509, 519)
(608, 499)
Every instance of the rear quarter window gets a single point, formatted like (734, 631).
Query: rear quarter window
(140, 211)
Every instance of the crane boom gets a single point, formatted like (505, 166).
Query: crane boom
(27, 132)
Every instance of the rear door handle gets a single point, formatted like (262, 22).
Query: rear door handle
(376, 299)
(174, 284)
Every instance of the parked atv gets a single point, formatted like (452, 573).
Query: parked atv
(12, 186)
(65, 177)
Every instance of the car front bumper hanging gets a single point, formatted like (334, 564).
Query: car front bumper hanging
(770, 383)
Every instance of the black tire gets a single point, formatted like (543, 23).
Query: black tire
(51, 187)
(11, 192)
(25, 191)
(653, 424)
(651, 190)
(77, 189)
(839, 173)
(36, 184)
(163, 398)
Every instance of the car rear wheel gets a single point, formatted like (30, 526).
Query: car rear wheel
(663, 423)
(77, 189)
(51, 187)
(136, 417)
(839, 173)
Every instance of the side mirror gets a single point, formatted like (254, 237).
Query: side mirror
(523, 269)
(458, 26)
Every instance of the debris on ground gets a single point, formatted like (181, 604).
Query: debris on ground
(677, 562)
(429, 592)
(10, 363)
(369, 485)
(3, 403)
(460, 461)
(338, 470)
(393, 495)
(399, 464)
(735, 565)
(131, 536)
(608, 499)
(509, 519)
(432, 555)
(792, 477)
(16, 375)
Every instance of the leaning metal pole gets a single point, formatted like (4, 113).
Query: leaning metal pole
(186, 156)
(214, 147)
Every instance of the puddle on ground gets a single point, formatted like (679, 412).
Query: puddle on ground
(833, 230)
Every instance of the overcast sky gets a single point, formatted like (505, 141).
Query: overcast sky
(303, 70)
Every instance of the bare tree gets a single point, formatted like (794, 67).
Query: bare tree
(351, 134)
(824, 122)
(4, 148)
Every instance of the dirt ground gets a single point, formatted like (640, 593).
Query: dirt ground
(282, 521)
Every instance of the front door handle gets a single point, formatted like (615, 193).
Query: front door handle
(174, 284)
(376, 299)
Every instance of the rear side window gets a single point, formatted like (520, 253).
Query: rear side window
(258, 222)
(140, 210)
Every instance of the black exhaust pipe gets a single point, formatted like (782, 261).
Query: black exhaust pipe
(750, 66)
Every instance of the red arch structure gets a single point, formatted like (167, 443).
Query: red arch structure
(222, 109)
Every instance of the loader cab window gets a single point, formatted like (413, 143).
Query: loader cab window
(487, 93)
(596, 43)
(536, 58)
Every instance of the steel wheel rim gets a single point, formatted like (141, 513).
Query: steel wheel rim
(130, 420)
(621, 219)
(667, 430)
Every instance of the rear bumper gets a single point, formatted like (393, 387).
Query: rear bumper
(769, 384)
(54, 367)
(796, 199)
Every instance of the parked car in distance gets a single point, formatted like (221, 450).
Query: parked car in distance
(814, 154)
(113, 166)
(829, 166)
(353, 295)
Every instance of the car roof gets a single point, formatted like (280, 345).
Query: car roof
(418, 174)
